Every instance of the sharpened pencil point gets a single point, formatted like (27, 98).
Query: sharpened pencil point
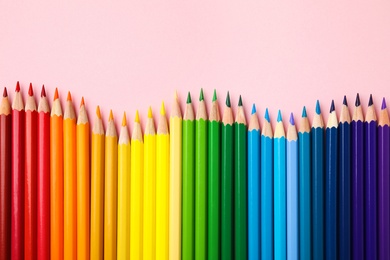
(370, 102)
(304, 114)
(189, 98)
(124, 122)
(318, 107)
(55, 94)
(266, 116)
(175, 95)
(150, 114)
(228, 99)
(240, 102)
(136, 119)
(43, 91)
(383, 104)
(215, 95)
(201, 96)
(30, 90)
(332, 107)
(162, 110)
(5, 94)
(345, 101)
(253, 109)
(98, 112)
(17, 87)
(292, 122)
(357, 101)
(69, 97)
(82, 103)
(111, 116)
(279, 119)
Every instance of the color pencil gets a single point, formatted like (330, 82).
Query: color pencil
(56, 181)
(240, 185)
(43, 179)
(357, 129)
(110, 190)
(70, 181)
(136, 190)
(149, 221)
(344, 192)
(201, 180)
(18, 149)
(304, 188)
(227, 160)
(292, 191)
(280, 190)
(30, 177)
(5, 176)
(83, 183)
(370, 215)
(331, 156)
(188, 215)
(254, 186)
(318, 168)
(175, 178)
(267, 194)
(214, 133)
(97, 187)
(383, 183)
(123, 224)
(162, 187)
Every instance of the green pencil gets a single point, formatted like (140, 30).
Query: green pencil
(214, 180)
(201, 181)
(240, 190)
(188, 182)
(227, 183)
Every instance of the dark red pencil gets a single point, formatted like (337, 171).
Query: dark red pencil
(17, 186)
(43, 179)
(30, 178)
(5, 177)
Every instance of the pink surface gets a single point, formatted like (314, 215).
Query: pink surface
(127, 55)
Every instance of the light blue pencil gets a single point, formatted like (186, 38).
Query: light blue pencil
(292, 191)
(254, 187)
(280, 191)
(267, 227)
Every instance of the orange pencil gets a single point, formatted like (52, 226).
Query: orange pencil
(56, 181)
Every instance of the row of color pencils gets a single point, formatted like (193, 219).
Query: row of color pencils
(199, 186)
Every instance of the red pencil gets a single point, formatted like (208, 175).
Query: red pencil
(30, 178)
(5, 177)
(17, 197)
(43, 179)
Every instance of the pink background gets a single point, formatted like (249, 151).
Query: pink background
(127, 55)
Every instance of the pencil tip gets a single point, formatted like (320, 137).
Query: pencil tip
(345, 101)
(124, 122)
(383, 103)
(5, 94)
(240, 102)
(201, 96)
(253, 109)
(17, 89)
(43, 91)
(228, 99)
(82, 103)
(266, 116)
(318, 107)
(215, 95)
(279, 119)
(292, 122)
(55, 94)
(150, 114)
(332, 107)
(30, 90)
(98, 112)
(304, 113)
(162, 110)
(136, 119)
(175, 95)
(69, 97)
(370, 102)
(111, 116)
(357, 101)
(189, 98)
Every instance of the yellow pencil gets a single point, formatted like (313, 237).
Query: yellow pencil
(136, 190)
(175, 185)
(149, 222)
(97, 187)
(83, 178)
(162, 187)
(123, 241)
(110, 190)
(70, 183)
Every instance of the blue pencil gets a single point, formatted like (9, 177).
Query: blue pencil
(304, 188)
(267, 224)
(292, 191)
(344, 183)
(318, 167)
(331, 186)
(280, 190)
(254, 187)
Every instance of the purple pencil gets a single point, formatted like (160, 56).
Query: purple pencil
(357, 182)
(383, 183)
